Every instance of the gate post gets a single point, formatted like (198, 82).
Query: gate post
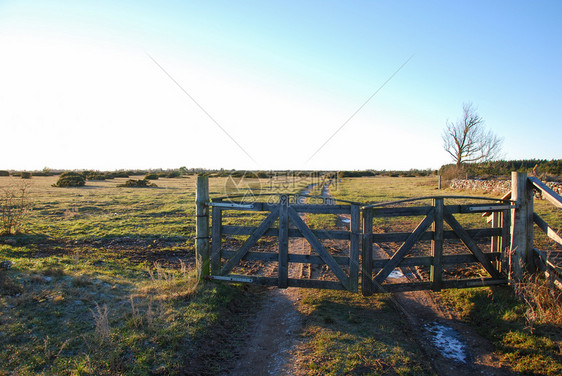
(202, 226)
(355, 241)
(521, 225)
(283, 268)
(436, 268)
(367, 256)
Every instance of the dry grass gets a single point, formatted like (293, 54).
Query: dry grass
(544, 301)
(103, 331)
(14, 207)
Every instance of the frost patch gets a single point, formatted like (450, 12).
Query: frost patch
(447, 341)
(396, 274)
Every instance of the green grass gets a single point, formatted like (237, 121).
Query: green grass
(158, 318)
(347, 334)
(499, 315)
(131, 251)
(103, 282)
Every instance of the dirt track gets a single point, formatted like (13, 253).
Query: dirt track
(277, 326)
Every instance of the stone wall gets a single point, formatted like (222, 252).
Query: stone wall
(494, 186)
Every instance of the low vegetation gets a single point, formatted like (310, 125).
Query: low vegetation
(498, 314)
(99, 313)
(70, 179)
(140, 183)
(347, 334)
(14, 208)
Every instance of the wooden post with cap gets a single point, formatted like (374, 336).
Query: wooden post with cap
(521, 226)
(202, 226)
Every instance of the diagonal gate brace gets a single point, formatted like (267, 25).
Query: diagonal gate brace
(470, 243)
(399, 255)
(250, 242)
(318, 247)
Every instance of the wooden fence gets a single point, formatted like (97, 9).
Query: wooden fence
(511, 253)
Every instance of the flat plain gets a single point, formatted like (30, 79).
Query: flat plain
(103, 282)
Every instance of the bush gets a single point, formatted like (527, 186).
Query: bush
(14, 207)
(95, 176)
(70, 179)
(26, 175)
(173, 174)
(151, 177)
(142, 183)
(4, 173)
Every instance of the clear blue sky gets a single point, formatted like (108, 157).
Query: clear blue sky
(78, 87)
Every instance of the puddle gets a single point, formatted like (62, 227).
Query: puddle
(396, 274)
(346, 220)
(447, 341)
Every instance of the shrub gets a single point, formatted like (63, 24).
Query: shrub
(4, 173)
(142, 183)
(92, 175)
(173, 174)
(26, 175)
(70, 179)
(151, 177)
(14, 206)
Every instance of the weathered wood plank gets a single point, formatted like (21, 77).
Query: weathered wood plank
(354, 244)
(270, 281)
(202, 257)
(549, 231)
(397, 237)
(423, 210)
(232, 205)
(446, 284)
(477, 208)
(547, 193)
(505, 241)
(322, 209)
(296, 258)
(467, 258)
(293, 233)
(470, 243)
(405, 247)
(216, 241)
(283, 267)
(367, 287)
(401, 211)
(318, 247)
(436, 268)
(244, 206)
(234, 260)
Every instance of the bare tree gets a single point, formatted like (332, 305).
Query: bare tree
(467, 140)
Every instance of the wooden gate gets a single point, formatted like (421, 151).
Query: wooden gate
(503, 251)
(432, 228)
(283, 221)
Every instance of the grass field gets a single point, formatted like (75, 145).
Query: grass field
(103, 282)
